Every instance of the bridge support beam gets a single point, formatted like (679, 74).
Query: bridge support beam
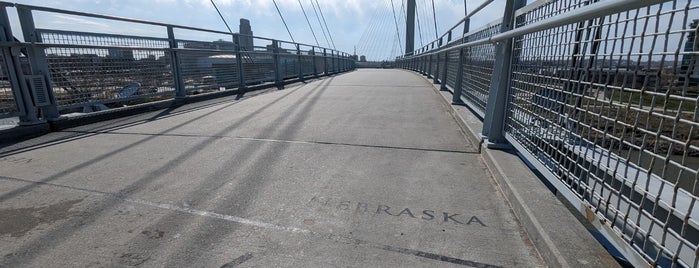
(410, 28)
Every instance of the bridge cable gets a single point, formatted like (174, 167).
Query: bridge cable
(282, 17)
(419, 27)
(434, 15)
(309, 23)
(425, 19)
(396, 20)
(320, 23)
(326, 24)
(221, 15)
(368, 43)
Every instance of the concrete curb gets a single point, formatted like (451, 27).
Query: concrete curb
(560, 239)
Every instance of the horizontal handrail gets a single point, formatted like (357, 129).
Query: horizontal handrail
(139, 21)
(592, 11)
(471, 14)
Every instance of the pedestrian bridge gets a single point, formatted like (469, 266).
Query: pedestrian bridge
(561, 135)
(367, 168)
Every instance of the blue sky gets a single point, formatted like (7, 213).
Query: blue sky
(349, 21)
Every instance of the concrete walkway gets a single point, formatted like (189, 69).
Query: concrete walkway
(365, 169)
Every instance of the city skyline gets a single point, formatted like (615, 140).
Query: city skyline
(348, 21)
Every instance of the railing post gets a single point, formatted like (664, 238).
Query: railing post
(422, 64)
(325, 61)
(278, 78)
(299, 58)
(456, 97)
(496, 110)
(239, 63)
(429, 67)
(332, 61)
(180, 91)
(37, 59)
(443, 86)
(313, 58)
(435, 76)
(20, 92)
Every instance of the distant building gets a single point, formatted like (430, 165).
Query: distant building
(362, 58)
(245, 31)
(122, 54)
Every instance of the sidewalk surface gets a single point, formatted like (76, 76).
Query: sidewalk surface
(364, 169)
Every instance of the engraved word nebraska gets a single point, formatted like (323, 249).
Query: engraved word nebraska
(379, 209)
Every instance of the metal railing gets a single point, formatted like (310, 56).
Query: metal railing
(54, 71)
(602, 97)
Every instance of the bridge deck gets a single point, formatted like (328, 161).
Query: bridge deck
(363, 169)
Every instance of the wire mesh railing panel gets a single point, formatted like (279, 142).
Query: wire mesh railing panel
(477, 74)
(452, 61)
(433, 65)
(259, 69)
(8, 103)
(332, 65)
(478, 66)
(289, 66)
(320, 64)
(307, 65)
(203, 70)
(610, 107)
(87, 67)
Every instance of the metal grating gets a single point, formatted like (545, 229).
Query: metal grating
(478, 68)
(88, 68)
(8, 102)
(610, 107)
(608, 110)
(39, 90)
(452, 62)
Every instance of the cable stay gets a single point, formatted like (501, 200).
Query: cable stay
(309, 23)
(221, 15)
(419, 27)
(283, 21)
(434, 15)
(326, 24)
(320, 23)
(396, 20)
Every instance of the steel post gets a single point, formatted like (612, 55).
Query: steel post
(494, 121)
(435, 76)
(180, 91)
(239, 63)
(278, 78)
(325, 61)
(456, 97)
(313, 59)
(20, 92)
(37, 59)
(443, 86)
